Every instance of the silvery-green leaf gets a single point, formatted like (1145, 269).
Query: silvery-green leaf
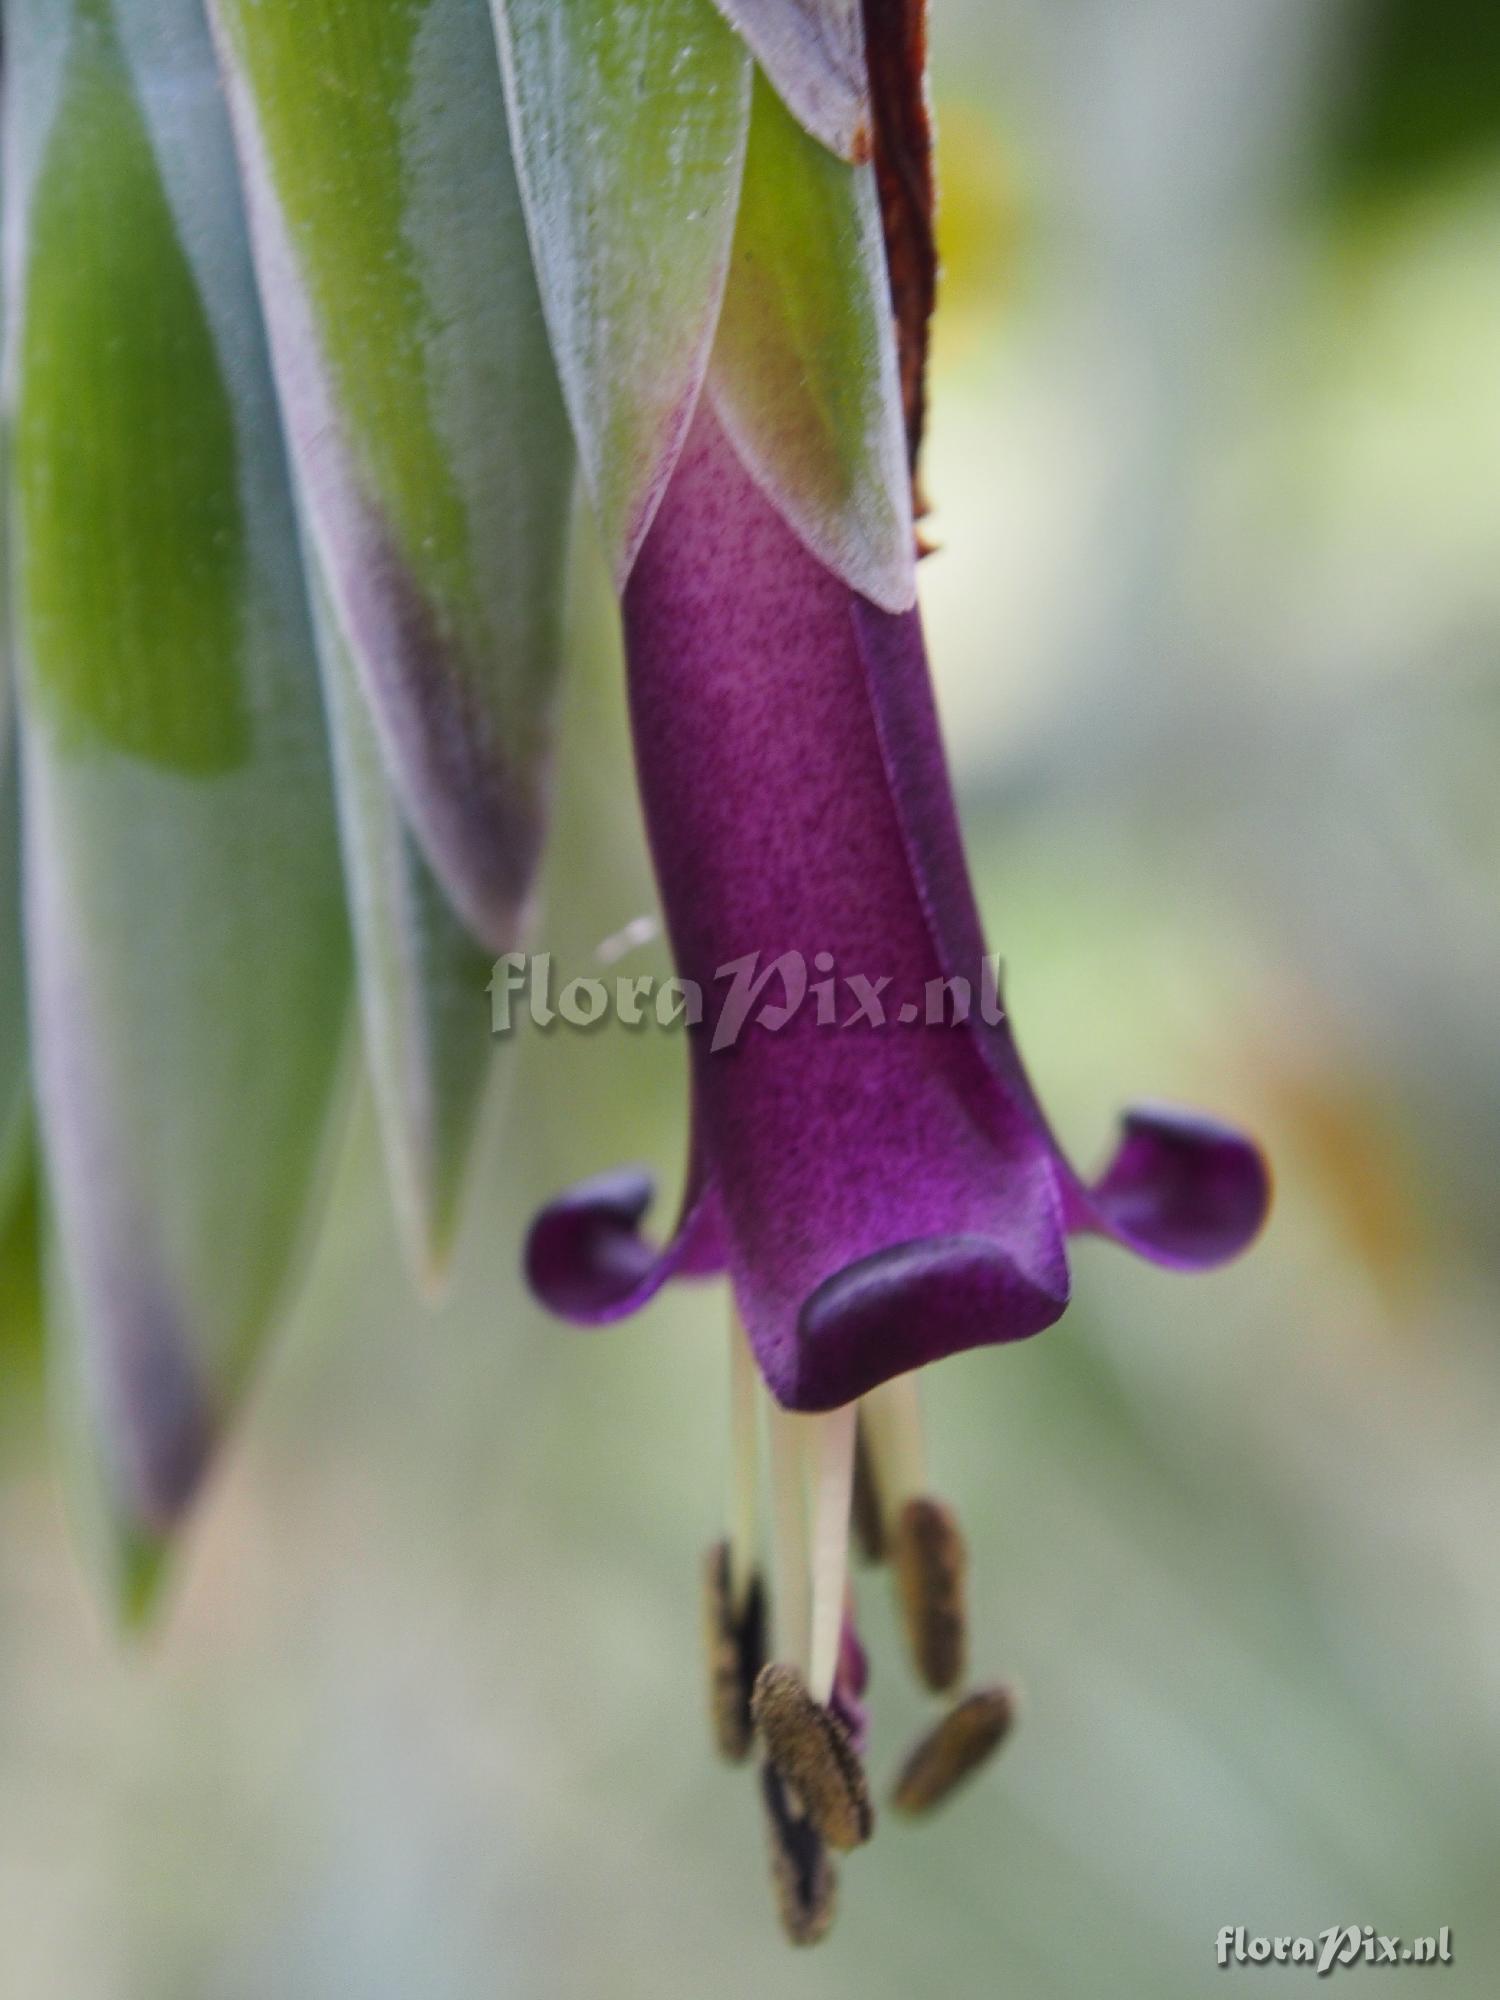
(22, 1315)
(813, 51)
(14, 1088)
(428, 437)
(186, 941)
(13, 1085)
(804, 373)
(629, 119)
(423, 983)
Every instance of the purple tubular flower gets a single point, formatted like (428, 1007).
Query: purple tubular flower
(885, 1191)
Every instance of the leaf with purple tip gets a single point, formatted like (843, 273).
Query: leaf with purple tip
(434, 466)
(185, 936)
(427, 432)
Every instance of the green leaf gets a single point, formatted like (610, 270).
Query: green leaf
(13, 1059)
(423, 985)
(21, 1309)
(813, 51)
(14, 1088)
(186, 941)
(804, 373)
(630, 119)
(428, 435)
(168, 689)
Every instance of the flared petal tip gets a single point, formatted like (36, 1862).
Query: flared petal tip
(902, 1308)
(1183, 1189)
(585, 1256)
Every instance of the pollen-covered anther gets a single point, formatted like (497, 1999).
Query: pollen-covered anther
(810, 1750)
(931, 1565)
(801, 1871)
(968, 1735)
(734, 1642)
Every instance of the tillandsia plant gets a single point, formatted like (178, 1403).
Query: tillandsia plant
(310, 311)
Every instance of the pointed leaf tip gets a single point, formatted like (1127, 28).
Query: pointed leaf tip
(423, 984)
(804, 373)
(629, 119)
(813, 51)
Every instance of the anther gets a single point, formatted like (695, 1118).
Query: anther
(735, 1645)
(804, 1879)
(810, 1749)
(930, 1562)
(954, 1750)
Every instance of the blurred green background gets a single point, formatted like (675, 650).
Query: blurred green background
(1216, 626)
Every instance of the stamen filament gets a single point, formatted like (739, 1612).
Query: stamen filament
(832, 1492)
(744, 1451)
(792, 1587)
(892, 1417)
